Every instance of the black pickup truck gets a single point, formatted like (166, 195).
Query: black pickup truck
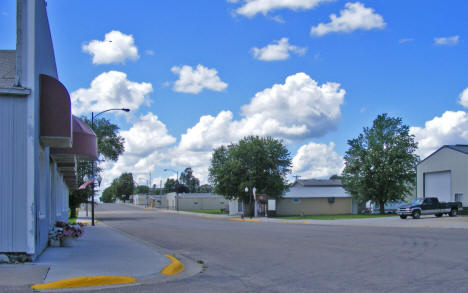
(429, 206)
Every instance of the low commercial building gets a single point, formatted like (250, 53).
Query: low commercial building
(316, 197)
(444, 173)
(196, 201)
(41, 141)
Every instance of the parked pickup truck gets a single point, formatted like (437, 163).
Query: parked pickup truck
(429, 206)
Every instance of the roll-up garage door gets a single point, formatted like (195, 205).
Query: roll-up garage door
(438, 185)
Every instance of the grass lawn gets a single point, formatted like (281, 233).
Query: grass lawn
(71, 220)
(211, 212)
(334, 217)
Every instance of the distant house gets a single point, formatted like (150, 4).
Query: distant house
(444, 173)
(316, 197)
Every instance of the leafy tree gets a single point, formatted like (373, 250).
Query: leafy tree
(205, 188)
(142, 189)
(110, 143)
(109, 194)
(171, 185)
(254, 162)
(335, 177)
(380, 164)
(187, 178)
(125, 186)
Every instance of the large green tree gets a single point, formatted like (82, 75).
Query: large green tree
(380, 164)
(260, 162)
(141, 189)
(109, 194)
(110, 146)
(188, 179)
(125, 186)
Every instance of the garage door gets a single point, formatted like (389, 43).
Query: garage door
(438, 185)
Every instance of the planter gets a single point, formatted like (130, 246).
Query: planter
(68, 242)
(54, 243)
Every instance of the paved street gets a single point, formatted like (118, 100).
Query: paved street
(277, 257)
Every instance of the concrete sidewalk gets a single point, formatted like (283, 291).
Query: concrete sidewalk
(101, 251)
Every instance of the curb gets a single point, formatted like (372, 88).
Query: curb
(245, 220)
(90, 281)
(174, 268)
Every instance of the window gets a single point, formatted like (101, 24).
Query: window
(296, 200)
(459, 197)
(331, 200)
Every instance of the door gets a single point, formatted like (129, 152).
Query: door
(438, 184)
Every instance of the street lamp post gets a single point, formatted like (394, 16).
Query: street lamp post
(92, 167)
(177, 185)
(253, 189)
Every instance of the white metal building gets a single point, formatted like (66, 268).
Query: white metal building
(41, 140)
(444, 174)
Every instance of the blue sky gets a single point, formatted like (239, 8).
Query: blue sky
(173, 62)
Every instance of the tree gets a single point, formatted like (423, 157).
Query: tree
(170, 185)
(109, 194)
(142, 189)
(205, 188)
(110, 147)
(380, 164)
(335, 177)
(125, 186)
(187, 178)
(253, 162)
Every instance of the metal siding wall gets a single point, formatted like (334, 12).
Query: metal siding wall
(44, 201)
(313, 206)
(13, 207)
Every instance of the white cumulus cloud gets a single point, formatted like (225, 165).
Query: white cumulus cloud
(110, 90)
(463, 98)
(355, 16)
(146, 146)
(193, 81)
(299, 108)
(278, 50)
(315, 160)
(450, 128)
(447, 41)
(251, 8)
(116, 48)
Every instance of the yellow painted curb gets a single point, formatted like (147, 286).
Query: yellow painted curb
(306, 222)
(174, 268)
(90, 281)
(244, 220)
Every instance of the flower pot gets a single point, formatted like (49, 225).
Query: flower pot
(54, 243)
(68, 242)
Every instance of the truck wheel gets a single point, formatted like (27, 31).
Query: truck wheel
(453, 213)
(416, 214)
(402, 216)
(438, 215)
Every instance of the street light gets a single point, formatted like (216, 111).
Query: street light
(246, 189)
(92, 167)
(177, 185)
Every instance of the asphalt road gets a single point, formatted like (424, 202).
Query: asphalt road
(277, 257)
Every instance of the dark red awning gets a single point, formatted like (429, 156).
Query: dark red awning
(55, 113)
(84, 144)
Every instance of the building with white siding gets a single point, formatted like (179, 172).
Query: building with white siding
(41, 140)
(444, 173)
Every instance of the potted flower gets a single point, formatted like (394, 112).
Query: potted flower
(55, 236)
(65, 233)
